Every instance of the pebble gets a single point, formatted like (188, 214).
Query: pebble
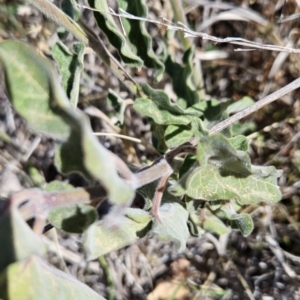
(263, 265)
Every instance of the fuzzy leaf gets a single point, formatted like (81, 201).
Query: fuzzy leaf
(214, 224)
(34, 279)
(239, 142)
(17, 239)
(56, 185)
(177, 135)
(71, 9)
(239, 105)
(158, 139)
(29, 88)
(73, 218)
(138, 36)
(99, 240)
(107, 24)
(243, 222)
(38, 97)
(70, 65)
(118, 104)
(182, 78)
(173, 225)
(225, 173)
(159, 107)
(161, 116)
(217, 150)
(208, 183)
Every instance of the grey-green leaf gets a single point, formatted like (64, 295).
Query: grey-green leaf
(28, 85)
(35, 280)
(217, 150)
(99, 240)
(73, 218)
(138, 36)
(239, 142)
(177, 135)
(208, 183)
(213, 224)
(159, 107)
(71, 9)
(36, 94)
(118, 104)
(173, 225)
(243, 222)
(70, 65)
(239, 105)
(17, 239)
(108, 25)
(182, 78)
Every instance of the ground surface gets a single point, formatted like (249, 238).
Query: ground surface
(265, 265)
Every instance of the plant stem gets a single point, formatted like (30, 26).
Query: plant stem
(256, 106)
(37, 203)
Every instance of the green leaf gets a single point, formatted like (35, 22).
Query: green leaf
(73, 218)
(182, 78)
(159, 107)
(161, 99)
(107, 24)
(173, 225)
(243, 222)
(158, 139)
(225, 174)
(70, 65)
(37, 178)
(57, 186)
(161, 116)
(71, 9)
(217, 150)
(177, 135)
(89, 158)
(215, 205)
(99, 240)
(208, 183)
(38, 97)
(34, 279)
(17, 239)
(239, 142)
(28, 85)
(187, 164)
(243, 128)
(118, 104)
(138, 36)
(198, 109)
(214, 224)
(239, 105)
